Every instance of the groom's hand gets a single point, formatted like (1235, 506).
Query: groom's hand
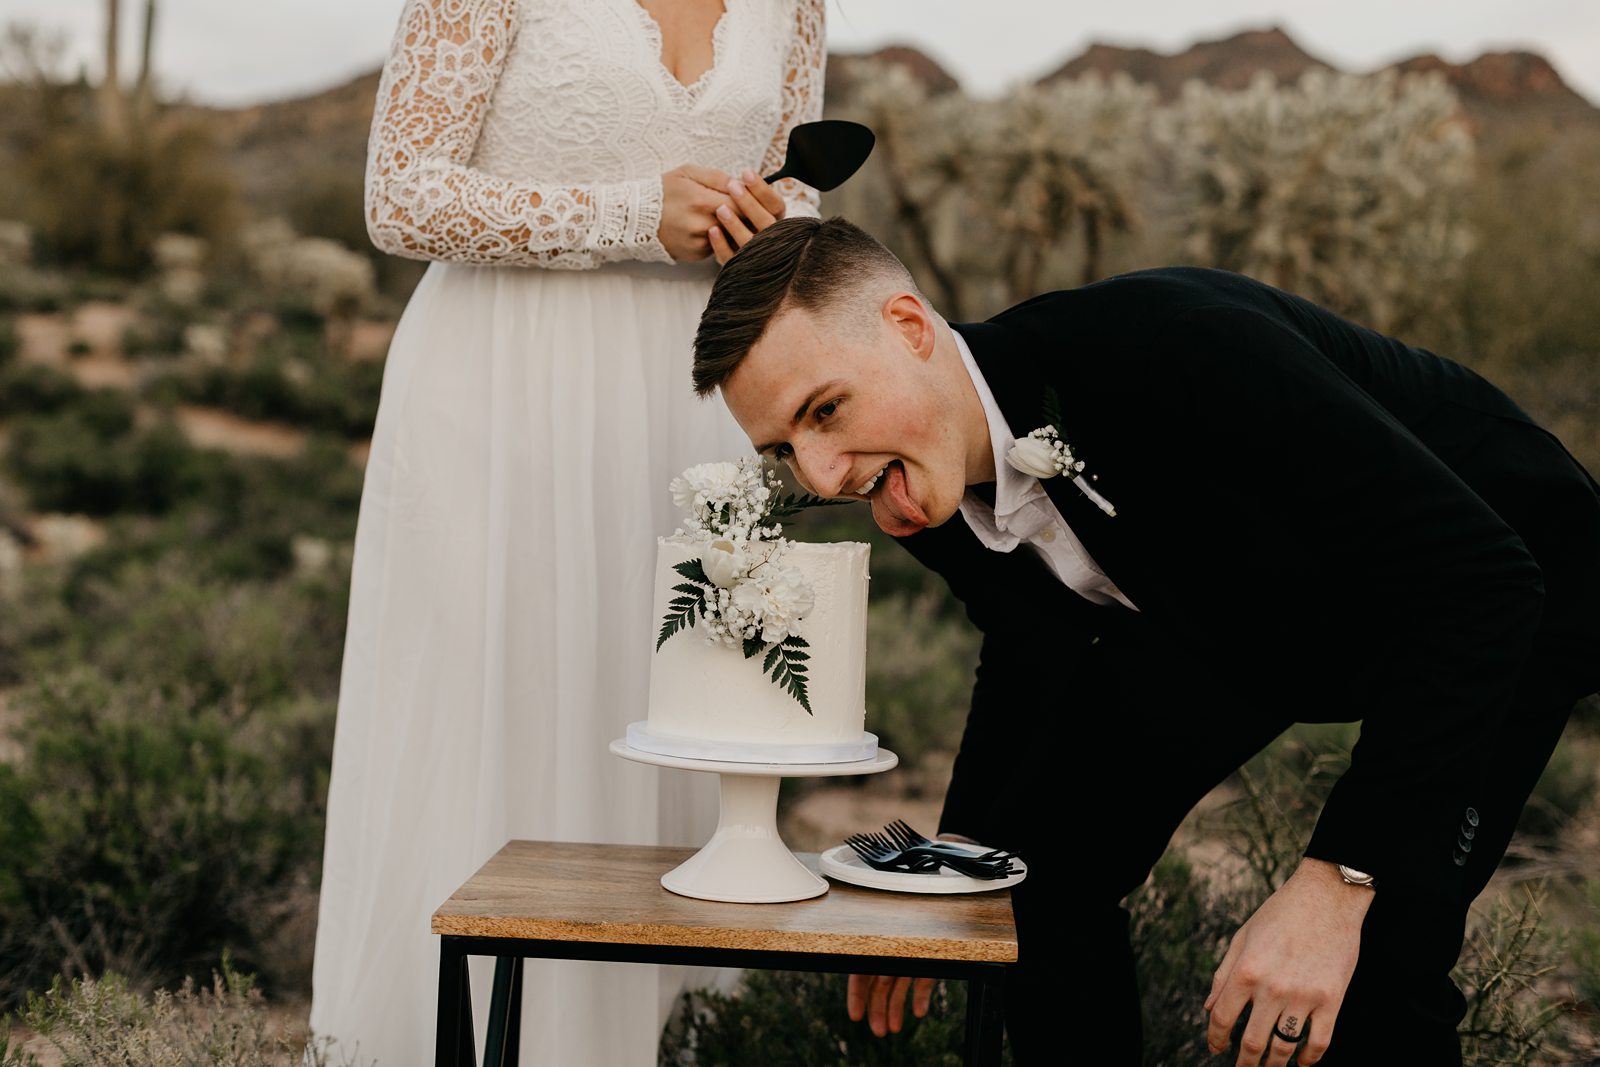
(1291, 961)
(882, 998)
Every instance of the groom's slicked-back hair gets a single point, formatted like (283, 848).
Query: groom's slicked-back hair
(814, 264)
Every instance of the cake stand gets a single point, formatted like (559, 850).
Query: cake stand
(746, 862)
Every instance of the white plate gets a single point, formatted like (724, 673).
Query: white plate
(841, 863)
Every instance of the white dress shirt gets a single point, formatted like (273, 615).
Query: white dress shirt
(1023, 512)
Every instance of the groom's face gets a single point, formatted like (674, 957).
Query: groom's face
(863, 411)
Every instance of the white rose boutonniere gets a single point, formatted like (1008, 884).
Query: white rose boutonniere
(1044, 453)
(1033, 455)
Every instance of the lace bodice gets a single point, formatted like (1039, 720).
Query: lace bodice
(535, 132)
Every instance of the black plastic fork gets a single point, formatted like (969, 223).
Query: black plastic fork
(885, 854)
(901, 833)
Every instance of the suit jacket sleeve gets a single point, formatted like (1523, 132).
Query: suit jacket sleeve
(1454, 597)
(1027, 619)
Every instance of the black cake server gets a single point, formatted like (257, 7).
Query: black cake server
(823, 154)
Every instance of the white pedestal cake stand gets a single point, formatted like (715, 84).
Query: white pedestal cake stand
(746, 862)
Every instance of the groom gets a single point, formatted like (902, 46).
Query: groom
(1267, 515)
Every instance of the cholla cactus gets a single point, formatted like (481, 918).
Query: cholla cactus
(1345, 189)
(1062, 155)
(998, 189)
(331, 278)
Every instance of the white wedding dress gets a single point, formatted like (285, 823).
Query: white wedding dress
(536, 402)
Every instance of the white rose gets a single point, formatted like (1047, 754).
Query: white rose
(724, 564)
(1032, 456)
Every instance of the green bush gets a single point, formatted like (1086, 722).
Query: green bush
(35, 389)
(1563, 790)
(159, 330)
(1181, 926)
(919, 674)
(149, 832)
(10, 343)
(89, 458)
(322, 393)
(101, 200)
(219, 637)
(1586, 949)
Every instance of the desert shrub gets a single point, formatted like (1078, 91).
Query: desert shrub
(794, 1019)
(1348, 190)
(1508, 957)
(257, 641)
(89, 1022)
(94, 198)
(1527, 293)
(919, 674)
(329, 201)
(35, 389)
(1586, 949)
(90, 458)
(1280, 793)
(1563, 790)
(152, 831)
(10, 344)
(159, 330)
(989, 201)
(1180, 929)
(287, 383)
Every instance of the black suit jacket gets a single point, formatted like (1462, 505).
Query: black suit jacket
(1299, 499)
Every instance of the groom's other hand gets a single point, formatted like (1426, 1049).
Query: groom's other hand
(1292, 962)
(882, 999)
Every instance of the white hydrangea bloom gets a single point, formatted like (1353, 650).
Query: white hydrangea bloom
(776, 595)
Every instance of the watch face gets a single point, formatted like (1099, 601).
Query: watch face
(1353, 876)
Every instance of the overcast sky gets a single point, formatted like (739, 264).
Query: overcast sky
(245, 51)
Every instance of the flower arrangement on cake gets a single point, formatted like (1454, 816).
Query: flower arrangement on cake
(740, 586)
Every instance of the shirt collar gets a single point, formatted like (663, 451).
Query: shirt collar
(1012, 488)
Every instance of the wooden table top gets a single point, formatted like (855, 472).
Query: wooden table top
(561, 891)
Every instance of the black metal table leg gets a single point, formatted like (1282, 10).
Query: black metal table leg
(505, 1014)
(985, 1018)
(453, 1039)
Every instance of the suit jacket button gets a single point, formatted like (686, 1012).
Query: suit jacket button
(1464, 845)
(1472, 816)
(1468, 831)
(1460, 858)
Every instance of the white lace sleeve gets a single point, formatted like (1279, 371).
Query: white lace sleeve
(802, 101)
(424, 201)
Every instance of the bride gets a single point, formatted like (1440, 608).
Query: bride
(573, 169)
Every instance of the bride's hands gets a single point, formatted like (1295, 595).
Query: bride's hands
(690, 197)
(705, 211)
(756, 205)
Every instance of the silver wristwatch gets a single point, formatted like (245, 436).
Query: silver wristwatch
(1355, 877)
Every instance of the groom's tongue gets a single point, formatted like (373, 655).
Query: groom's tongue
(892, 507)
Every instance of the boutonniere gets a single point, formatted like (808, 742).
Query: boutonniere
(1045, 453)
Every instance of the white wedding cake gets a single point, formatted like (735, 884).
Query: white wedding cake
(761, 656)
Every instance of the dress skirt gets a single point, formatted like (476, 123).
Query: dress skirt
(500, 637)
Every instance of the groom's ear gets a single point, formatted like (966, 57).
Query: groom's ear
(911, 322)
